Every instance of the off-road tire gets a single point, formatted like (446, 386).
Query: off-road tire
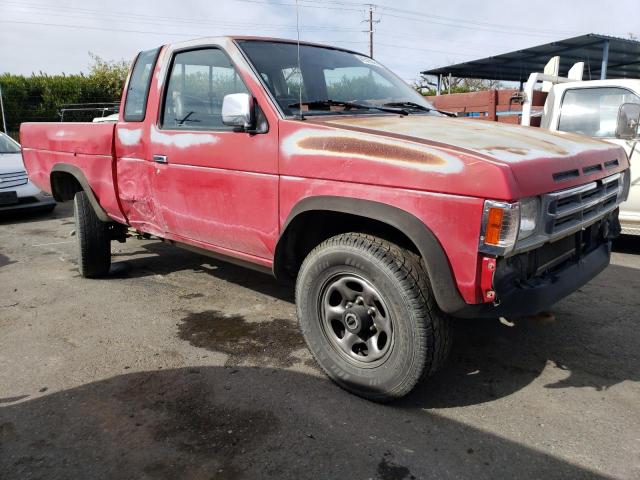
(93, 236)
(422, 333)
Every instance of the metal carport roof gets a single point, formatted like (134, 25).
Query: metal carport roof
(621, 57)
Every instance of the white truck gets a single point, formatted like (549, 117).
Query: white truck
(592, 108)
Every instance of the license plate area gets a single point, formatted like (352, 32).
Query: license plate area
(8, 198)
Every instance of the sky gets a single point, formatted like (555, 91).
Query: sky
(410, 36)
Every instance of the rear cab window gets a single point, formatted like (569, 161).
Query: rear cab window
(135, 105)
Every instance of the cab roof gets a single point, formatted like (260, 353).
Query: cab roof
(237, 38)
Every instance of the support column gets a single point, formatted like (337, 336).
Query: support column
(605, 60)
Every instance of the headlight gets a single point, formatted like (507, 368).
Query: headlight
(529, 209)
(504, 223)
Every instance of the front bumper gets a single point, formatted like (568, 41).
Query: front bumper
(532, 282)
(540, 296)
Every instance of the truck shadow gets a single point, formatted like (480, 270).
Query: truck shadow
(627, 244)
(231, 423)
(162, 259)
(592, 343)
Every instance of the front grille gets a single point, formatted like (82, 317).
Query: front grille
(13, 179)
(567, 211)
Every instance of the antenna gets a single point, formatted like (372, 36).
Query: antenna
(299, 65)
(4, 122)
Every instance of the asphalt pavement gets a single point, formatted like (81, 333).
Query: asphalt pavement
(179, 366)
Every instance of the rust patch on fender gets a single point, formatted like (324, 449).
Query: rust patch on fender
(367, 148)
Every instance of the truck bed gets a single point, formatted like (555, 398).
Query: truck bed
(87, 146)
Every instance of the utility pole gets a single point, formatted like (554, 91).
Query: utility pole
(4, 122)
(370, 31)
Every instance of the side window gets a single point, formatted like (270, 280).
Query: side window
(198, 83)
(135, 104)
(593, 111)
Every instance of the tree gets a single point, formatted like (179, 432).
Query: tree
(108, 75)
(427, 85)
(38, 97)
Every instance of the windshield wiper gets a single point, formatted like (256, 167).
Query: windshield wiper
(319, 104)
(417, 106)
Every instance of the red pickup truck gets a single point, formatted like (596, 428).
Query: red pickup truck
(318, 165)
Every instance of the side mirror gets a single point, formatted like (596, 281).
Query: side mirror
(238, 111)
(628, 121)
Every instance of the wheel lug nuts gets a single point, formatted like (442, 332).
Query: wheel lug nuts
(371, 311)
(349, 304)
(359, 301)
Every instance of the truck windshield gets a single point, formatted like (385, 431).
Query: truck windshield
(332, 81)
(8, 145)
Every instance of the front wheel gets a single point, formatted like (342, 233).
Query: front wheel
(367, 313)
(94, 239)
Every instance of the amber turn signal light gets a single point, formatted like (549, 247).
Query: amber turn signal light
(494, 226)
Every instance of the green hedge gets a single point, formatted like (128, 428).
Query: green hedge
(37, 98)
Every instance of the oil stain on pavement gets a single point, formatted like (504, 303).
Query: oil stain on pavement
(387, 470)
(272, 341)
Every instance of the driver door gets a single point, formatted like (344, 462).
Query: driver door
(214, 187)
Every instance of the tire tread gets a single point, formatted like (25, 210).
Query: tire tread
(94, 243)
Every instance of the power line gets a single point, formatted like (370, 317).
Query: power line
(451, 21)
(138, 18)
(474, 22)
(111, 29)
(334, 5)
(527, 34)
(304, 5)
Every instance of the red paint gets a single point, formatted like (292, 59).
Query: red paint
(232, 192)
(487, 270)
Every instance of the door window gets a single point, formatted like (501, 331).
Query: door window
(198, 83)
(593, 111)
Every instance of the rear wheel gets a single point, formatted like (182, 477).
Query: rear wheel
(366, 311)
(94, 239)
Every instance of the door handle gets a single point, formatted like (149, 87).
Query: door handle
(160, 158)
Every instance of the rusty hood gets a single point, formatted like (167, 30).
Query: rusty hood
(539, 160)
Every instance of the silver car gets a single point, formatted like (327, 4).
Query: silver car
(17, 193)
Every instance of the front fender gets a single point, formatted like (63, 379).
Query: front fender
(441, 276)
